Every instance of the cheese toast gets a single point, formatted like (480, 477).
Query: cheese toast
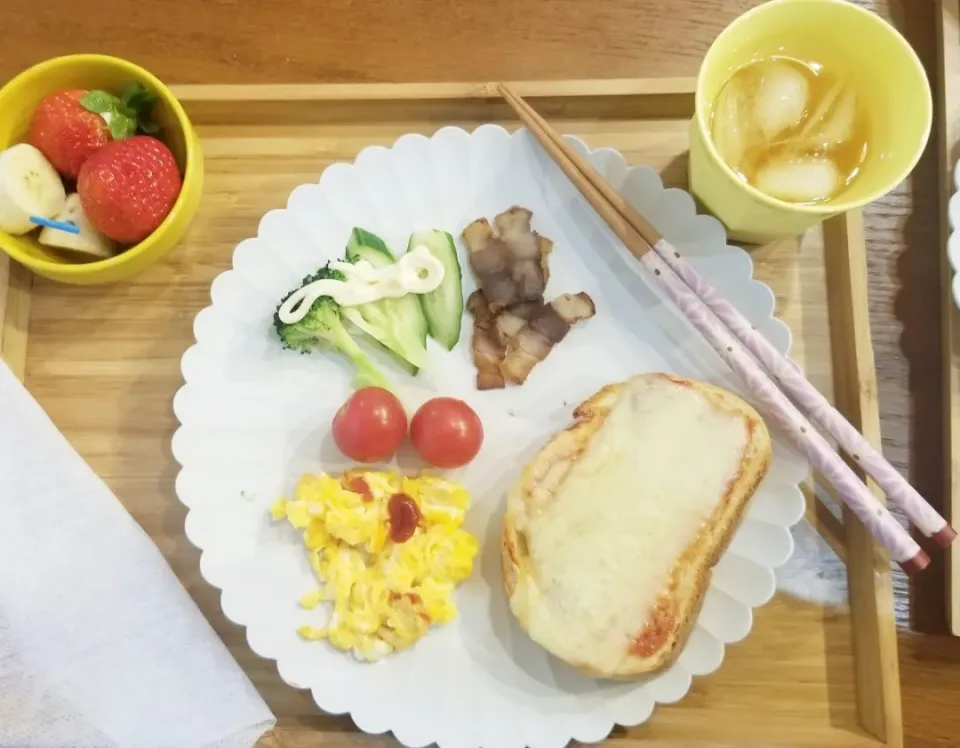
(612, 529)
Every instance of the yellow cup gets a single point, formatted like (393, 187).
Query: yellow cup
(19, 98)
(889, 80)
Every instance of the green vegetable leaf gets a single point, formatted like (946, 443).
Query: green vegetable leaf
(127, 113)
(121, 126)
(98, 101)
(138, 98)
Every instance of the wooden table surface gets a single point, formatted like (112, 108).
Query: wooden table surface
(262, 41)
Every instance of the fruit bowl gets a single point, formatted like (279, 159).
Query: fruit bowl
(18, 100)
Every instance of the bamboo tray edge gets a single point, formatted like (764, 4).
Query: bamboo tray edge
(855, 385)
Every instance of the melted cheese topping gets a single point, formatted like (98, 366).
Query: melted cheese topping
(603, 549)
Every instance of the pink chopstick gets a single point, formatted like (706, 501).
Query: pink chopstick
(874, 515)
(897, 489)
(708, 315)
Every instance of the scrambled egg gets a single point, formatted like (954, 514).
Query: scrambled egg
(389, 574)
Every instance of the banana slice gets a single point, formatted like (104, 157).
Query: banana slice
(89, 241)
(29, 186)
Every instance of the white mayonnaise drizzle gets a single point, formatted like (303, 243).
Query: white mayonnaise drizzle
(418, 271)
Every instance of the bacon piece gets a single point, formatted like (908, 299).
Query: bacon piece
(525, 309)
(524, 351)
(528, 338)
(574, 307)
(513, 226)
(514, 329)
(487, 350)
(510, 265)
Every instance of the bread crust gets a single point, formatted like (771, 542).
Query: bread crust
(660, 639)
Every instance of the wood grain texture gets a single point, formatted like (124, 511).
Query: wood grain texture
(16, 284)
(854, 382)
(242, 41)
(362, 41)
(113, 401)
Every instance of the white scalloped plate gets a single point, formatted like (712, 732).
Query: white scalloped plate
(254, 417)
(953, 242)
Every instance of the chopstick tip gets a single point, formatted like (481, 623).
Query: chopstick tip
(944, 536)
(918, 563)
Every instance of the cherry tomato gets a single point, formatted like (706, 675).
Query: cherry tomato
(446, 432)
(370, 425)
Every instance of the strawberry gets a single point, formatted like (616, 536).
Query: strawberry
(66, 132)
(67, 126)
(128, 187)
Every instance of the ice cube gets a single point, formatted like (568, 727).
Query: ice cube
(728, 131)
(798, 179)
(781, 97)
(836, 126)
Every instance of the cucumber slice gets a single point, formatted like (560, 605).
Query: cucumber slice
(442, 307)
(396, 324)
(396, 358)
(364, 245)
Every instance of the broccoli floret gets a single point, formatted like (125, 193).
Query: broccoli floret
(322, 327)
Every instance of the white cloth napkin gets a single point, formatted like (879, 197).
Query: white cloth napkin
(100, 645)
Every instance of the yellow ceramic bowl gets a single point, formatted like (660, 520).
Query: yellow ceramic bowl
(20, 97)
(888, 78)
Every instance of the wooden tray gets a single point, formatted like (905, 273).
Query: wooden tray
(949, 111)
(105, 363)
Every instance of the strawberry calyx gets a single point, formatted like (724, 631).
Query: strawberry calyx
(126, 114)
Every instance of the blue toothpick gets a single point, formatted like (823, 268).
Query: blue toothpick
(70, 228)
